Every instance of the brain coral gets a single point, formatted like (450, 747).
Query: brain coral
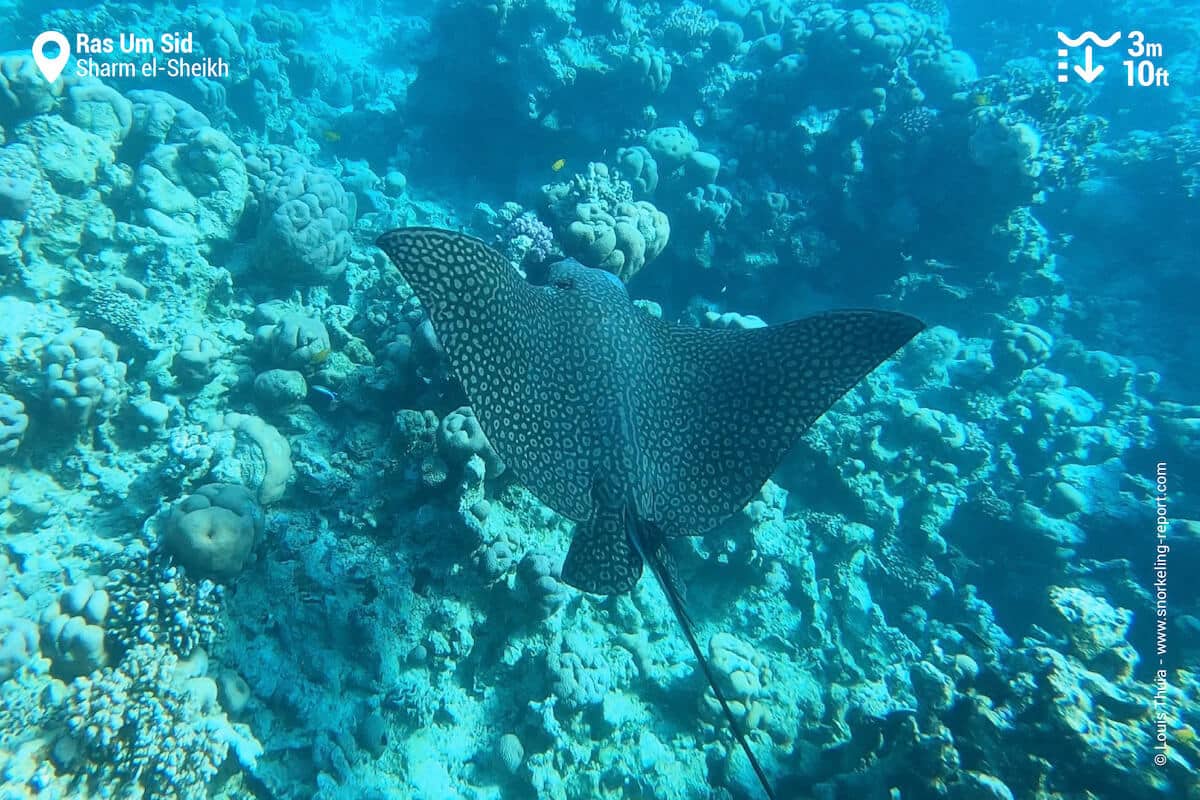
(304, 216)
(212, 531)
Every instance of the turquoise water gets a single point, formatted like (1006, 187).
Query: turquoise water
(271, 525)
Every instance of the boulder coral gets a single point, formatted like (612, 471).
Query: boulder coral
(85, 379)
(1007, 147)
(23, 90)
(18, 644)
(1020, 346)
(194, 189)
(293, 340)
(638, 167)
(278, 389)
(583, 675)
(621, 242)
(212, 531)
(1097, 631)
(460, 437)
(58, 181)
(72, 630)
(100, 109)
(671, 146)
(13, 423)
(194, 364)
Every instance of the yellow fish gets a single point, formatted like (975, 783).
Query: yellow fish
(557, 165)
(332, 136)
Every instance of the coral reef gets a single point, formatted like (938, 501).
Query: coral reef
(242, 494)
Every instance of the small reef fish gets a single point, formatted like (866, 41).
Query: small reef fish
(559, 164)
(326, 396)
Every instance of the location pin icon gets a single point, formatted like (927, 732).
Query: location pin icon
(51, 67)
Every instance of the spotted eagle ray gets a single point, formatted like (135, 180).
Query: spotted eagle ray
(636, 429)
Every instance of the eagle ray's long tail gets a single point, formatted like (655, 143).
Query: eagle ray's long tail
(671, 589)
